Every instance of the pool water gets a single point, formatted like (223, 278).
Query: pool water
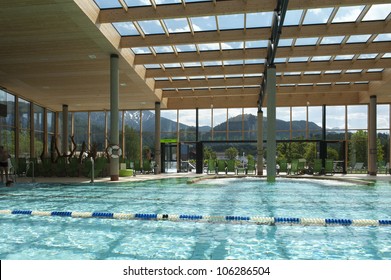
(32, 237)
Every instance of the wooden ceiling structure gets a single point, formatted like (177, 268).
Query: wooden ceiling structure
(193, 54)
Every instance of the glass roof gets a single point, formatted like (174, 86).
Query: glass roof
(201, 46)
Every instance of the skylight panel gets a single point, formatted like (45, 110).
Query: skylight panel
(367, 56)
(137, 3)
(306, 41)
(332, 40)
(321, 58)
(387, 55)
(233, 62)
(189, 1)
(358, 39)
(227, 22)
(151, 27)
(285, 42)
(126, 28)
(256, 44)
(254, 20)
(254, 61)
(375, 70)
(142, 50)
(203, 23)
(213, 63)
(108, 4)
(234, 76)
(348, 14)
(165, 2)
(317, 16)
(179, 78)
(192, 64)
(163, 49)
(350, 71)
(293, 17)
(232, 45)
(333, 71)
(209, 47)
(292, 73)
(298, 59)
(383, 37)
(177, 25)
(152, 66)
(172, 65)
(185, 48)
(215, 77)
(344, 57)
(378, 12)
(312, 72)
(280, 60)
(197, 78)
(161, 79)
(342, 83)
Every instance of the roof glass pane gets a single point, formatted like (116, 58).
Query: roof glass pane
(378, 12)
(231, 21)
(203, 23)
(312, 72)
(163, 49)
(254, 20)
(107, 4)
(367, 56)
(317, 16)
(332, 40)
(256, 44)
(213, 63)
(298, 59)
(383, 37)
(292, 73)
(254, 61)
(375, 70)
(280, 60)
(152, 66)
(177, 25)
(172, 65)
(344, 57)
(387, 55)
(164, 2)
(179, 78)
(151, 27)
(192, 64)
(285, 42)
(126, 28)
(186, 48)
(348, 14)
(358, 39)
(209, 47)
(234, 76)
(161, 79)
(293, 17)
(143, 50)
(233, 62)
(306, 41)
(215, 77)
(333, 71)
(232, 45)
(137, 3)
(353, 71)
(189, 1)
(321, 58)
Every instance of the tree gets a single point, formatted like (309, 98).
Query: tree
(231, 153)
(359, 147)
(209, 153)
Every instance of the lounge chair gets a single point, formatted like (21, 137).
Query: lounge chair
(358, 168)
(211, 166)
(329, 167)
(318, 168)
(221, 166)
(283, 166)
(230, 166)
(294, 170)
(251, 167)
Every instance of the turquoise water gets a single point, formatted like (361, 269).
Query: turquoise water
(32, 237)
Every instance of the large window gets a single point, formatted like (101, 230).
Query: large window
(24, 128)
(39, 135)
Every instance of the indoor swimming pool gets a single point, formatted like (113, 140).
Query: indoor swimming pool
(215, 219)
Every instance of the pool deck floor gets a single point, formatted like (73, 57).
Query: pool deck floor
(195, 177)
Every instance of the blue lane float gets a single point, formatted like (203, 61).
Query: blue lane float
(273, 221)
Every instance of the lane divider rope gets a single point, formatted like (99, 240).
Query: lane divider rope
(200, 218)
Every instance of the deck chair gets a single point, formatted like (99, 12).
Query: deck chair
(329, 167)
(318, 168)
(358, 167)
(294, 167)
(230, 166)
(251, 167)
(283, 165)
(211, 166)
(221, 166)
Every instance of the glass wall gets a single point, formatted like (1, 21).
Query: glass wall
(7, 124)
(39, 135)
(24, 128)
